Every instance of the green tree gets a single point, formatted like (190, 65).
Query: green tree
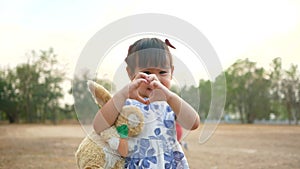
(290, 92)
(191, 95)
(34, 88)
(260, 94)
(247, 91)
(9, 96)
(205, 97)
(39, 81)
(276, 89)
(26, 82)
(49, 88)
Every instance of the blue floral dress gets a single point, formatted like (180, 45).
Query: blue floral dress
(156, 147)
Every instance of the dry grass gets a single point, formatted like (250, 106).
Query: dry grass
(231, 147)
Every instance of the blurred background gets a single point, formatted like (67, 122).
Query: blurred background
(257, 44)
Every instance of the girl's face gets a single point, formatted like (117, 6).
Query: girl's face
(164, 75)
(156, 63)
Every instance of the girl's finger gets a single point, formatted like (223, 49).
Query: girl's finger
(142, 100)
(155, 84)
(152, 77)
(140, 75)
(136, 83)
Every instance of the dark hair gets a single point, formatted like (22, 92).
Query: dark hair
(149, 52)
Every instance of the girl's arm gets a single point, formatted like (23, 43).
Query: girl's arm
(186, 115)
(108, 114)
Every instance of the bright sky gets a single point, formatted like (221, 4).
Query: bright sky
(258, 30)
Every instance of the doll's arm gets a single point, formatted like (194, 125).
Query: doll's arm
(123, 147)
(123, 143)
(119, 144)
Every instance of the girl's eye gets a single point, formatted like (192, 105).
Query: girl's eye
(163, 72)
(147, 72)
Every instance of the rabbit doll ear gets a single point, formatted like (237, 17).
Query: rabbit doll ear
(99, 93)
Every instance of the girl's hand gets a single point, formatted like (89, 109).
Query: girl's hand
(133, 92)
(159, 91)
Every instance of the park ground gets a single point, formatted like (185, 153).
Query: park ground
(34, 146)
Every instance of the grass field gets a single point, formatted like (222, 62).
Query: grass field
(231, 147)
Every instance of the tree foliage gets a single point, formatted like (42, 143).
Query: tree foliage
(256, 94)
(32, 92)
(247, 91)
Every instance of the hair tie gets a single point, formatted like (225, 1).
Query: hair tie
(169, 44)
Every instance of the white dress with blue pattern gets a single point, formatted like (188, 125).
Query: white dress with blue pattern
(156, 147)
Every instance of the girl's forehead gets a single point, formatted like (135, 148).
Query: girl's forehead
(149, 58)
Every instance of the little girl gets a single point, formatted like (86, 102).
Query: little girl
(150, 69)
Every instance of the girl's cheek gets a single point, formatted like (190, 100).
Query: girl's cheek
(164, 80)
